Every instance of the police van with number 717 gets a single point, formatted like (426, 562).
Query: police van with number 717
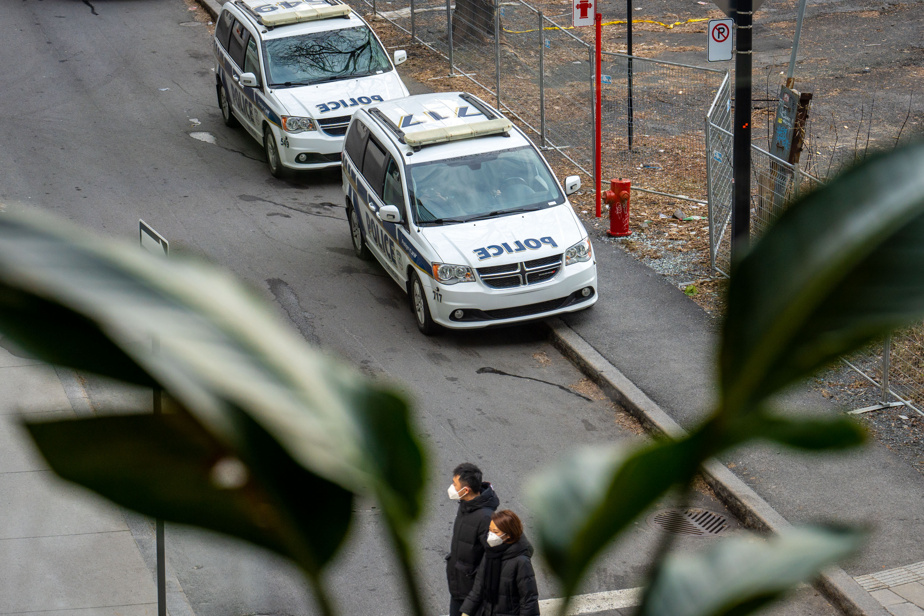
(292, 72)
(464, 213)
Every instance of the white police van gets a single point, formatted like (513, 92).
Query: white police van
(292, 72)
(462, 210)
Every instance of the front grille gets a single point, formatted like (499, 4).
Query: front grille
(313, 158)
(523, 311)
(335, 127)
(520, 274)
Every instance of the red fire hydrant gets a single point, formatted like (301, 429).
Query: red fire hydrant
(618, 199)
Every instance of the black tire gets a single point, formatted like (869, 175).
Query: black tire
(225, 105)
(356, 235)
(272, 154)
(420, 309)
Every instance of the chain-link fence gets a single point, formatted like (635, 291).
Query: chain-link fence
(653, 123)
(541, 74)
(774, 182)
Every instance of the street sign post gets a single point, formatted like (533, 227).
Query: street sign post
(156, 243)
(720, 40)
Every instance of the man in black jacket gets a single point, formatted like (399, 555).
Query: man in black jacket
(477, 501)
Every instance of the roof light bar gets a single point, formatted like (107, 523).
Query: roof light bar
(459, 132)
(272, 15)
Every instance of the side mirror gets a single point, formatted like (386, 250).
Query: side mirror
(400, 57)
(572, 184)
(389, 213)
(248, 80)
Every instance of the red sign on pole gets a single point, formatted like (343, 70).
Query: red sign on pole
(583, 12)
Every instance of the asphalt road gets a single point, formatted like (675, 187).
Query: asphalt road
(108, 115)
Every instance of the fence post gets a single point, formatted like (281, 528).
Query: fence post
(541, 80)
(497, 50)
(886, 351)
(413, 29)
(709, 193)
(449, 30)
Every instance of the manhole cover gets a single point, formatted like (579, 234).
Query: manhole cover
(699, 522)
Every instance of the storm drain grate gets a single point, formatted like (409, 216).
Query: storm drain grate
(699, 522)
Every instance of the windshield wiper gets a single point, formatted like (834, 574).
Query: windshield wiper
(526, 208)
(292, 84)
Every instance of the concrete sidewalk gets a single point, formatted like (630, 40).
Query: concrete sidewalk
(62, 549)
(652, 348)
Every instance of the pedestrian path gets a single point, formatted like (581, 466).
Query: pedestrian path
(899, 590)
(63, 550)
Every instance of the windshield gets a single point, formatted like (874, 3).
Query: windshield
(324, 56)
(482, 186)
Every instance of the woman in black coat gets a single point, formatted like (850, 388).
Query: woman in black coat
(505, 584)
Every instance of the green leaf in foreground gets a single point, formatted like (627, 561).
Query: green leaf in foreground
(584, 502)
(167, 467)
(739, 575)
(838, 269)
(809, 434)
(224, 355)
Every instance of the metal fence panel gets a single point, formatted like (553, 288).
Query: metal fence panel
(653, 122)
(568, 95)
(720, 174)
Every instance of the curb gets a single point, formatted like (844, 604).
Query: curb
(840, 589)
(211, 6)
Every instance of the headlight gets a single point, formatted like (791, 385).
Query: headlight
(452, 274)
(294, 124)
(579, 253)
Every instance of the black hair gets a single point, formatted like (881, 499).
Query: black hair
(469, 475)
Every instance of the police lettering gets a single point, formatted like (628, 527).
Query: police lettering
(496, 250)
(354, 102)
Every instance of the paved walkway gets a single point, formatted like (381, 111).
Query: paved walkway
(62, 549)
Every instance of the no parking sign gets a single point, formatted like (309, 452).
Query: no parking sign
(719, 43)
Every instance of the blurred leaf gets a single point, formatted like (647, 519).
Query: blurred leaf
(225, 356)
(837, 270)
(740, 575)
(46, 330)
(166, 467)
(811, 434)
(584, 502)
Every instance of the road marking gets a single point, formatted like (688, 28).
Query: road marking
(593, 603)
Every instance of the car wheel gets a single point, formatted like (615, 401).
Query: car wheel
(356, 233)
(225, 105)
(272, 153)
(421, 309)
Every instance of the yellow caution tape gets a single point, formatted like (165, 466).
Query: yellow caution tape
(614, 23)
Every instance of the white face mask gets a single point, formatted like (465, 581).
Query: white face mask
(453, 493)
(494, 540)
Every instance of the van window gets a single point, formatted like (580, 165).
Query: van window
(252, 60)
(223, 28)
(355, 143)
(238, 42)
(392, 194)
(374, 166)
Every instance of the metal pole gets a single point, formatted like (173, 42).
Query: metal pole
(598, 109)
(449, 30)
(629, 68)
(161, 556)
(795, 46)
(413, 29)
(741, 209)
(541, 80)
(374, 11)
(886, 351)
(593, 118)
(497, 49)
